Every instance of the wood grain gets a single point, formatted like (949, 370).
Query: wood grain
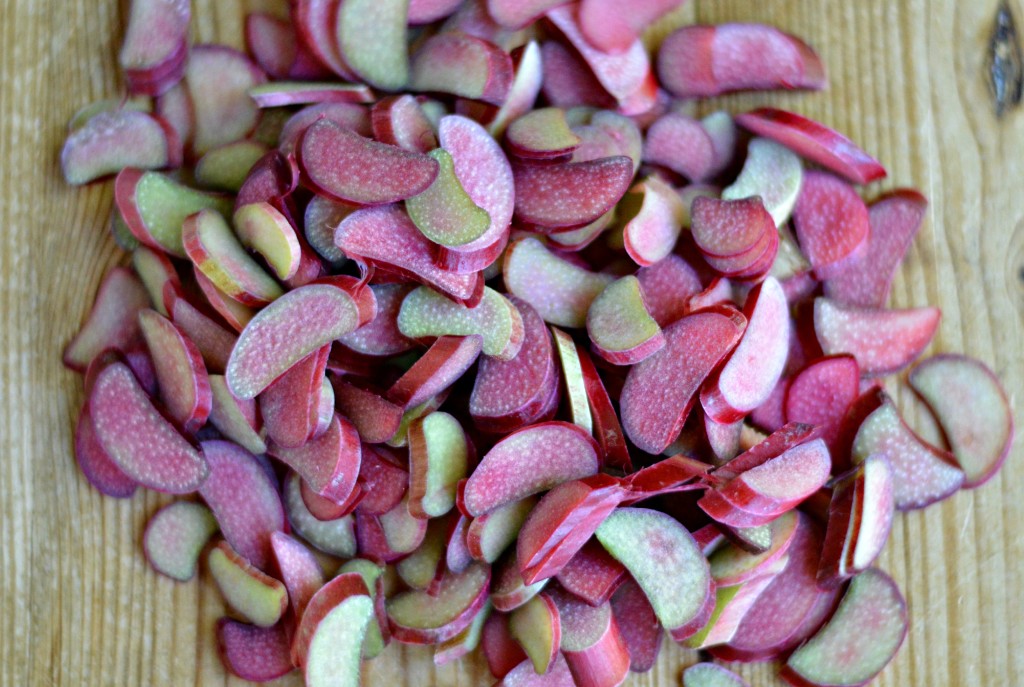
(79, 605)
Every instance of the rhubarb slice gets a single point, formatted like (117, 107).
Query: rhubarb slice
(620, 326)
(371, 40)
(772, 172)
(259, 598)
(180, 372)
(427, 314)
(462, 65)
(444, 212)
(112, 141)
(439, 454)
(113, 321)
(570, 194)
(972, 409)
(175, 536)
(831, 221)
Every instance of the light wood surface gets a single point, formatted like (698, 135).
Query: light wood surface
(79, 605)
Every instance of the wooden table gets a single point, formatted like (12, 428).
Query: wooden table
(79, 605)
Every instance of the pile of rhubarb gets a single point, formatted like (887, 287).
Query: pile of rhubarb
(452, 326)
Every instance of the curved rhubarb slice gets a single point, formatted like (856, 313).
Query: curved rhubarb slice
(215, 250)
(444, 212)
(159, 276)
(711, 675)
(831, 221)
(755, 367)
(659, 392)
(258, 597)
(462, 65)
(821, 393)
(290, 405)
(592, 574)
(731, 565)
(619, 325)
(113, 321)
(730, 228)
(703, 61)
(489, 535)
(336, 647)
(262, 228)
(606, 427)
(175, 536)
(772, 622)
(259, 654)
(781, 482)
(371, 40)
(137, 437)
(285, 93)
(299, 570)
(591, 641)
(572, 376)
(882, 341)
(439, 454)
(650, 233)
(641, 630)
(426, 314)
(424, 568)
(243, 496)
(815, 142)
(922, 474)
(213, 341)
(441, 366)
(464, 643)
(401, 121)
(510, 393)
(625, 75)
(224, 112)
(528, 461)
(484, 173)
(417, 617)
(227, 167)
(972, 409)
(664, 560)
(865, 279)
(346, 588)
(772, 172)
(610, 30)
(860, 516)
(292, 327)
(237, 420)
(862, 637)
(561, 291)
(668, 286)
(155, 47)
(155, 206)
(112, 141)
(329, 463)
(355, 169)
(180, 372)
(570, 194)
(101, 471)
(542, 134)
(387, 238)
(528, 72)
(681, 144)
(536, 626)
(336, 537)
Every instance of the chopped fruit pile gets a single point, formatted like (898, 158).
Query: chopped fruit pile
(455, 329)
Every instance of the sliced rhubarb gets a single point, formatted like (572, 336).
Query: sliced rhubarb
(440, 367)
(489, 535)
(97, 466)
(555, 452)
(299, 570)
(922, 474)
(703, 61)
(113, 322)
(860, 639)
(417, 617)
(592, 574)
(371, 39)
(814, 141)
(112, 141)
(641, 630)
(180, 372)
(591, 641)
(427, 314)
(882, 341)
(256, 596)
(462, 65)
(711, 675)
(731, 565)
(155, 47)
(511, 393)
(821, 393)
(224, 112)
(772, 172)
(681, 144)
(464, 643)
(292, 327)
(572, 379)
(659, 393)
(336, 537)
(622, 330)
(972, 409)
(289, 406)
(438, 458)
(668, 286)
(373, 173)
(329, 463)
(570, 194)
(559, 290)
(650, 234)
(444, 212)
(536, 626)
(606, 426)
(613, 31)
(386, 237)
(175, 536)
(245, 500)
(259, 654)
(831, 221)
(236, 419)
(755, 367)
(137, 437)
(542, 134)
